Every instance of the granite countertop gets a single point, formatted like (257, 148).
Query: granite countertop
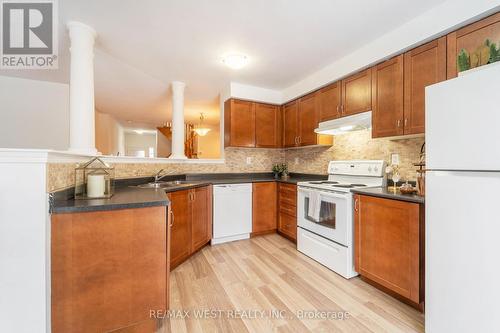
(388, 193)
(126, 197)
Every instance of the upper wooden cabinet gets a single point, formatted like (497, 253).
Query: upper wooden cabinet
(423, 66)
(300, 119)
(191, 222)
(264, 207)
(251, 124)
(387, 98)
(290, 124)
(347, 97)
(308, 120)
(239, 123)
(329, 101)
(388, 245)
(357, 93)
(470, 38)
(267, 125)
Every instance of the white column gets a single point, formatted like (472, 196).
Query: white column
(81, 89)
(178, 120)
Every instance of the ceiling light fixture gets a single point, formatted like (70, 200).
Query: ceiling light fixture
(200, 129)
(235, 61)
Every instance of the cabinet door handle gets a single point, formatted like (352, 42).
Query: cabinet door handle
(398, 123)
(356, 205)
(171, 218)
(300, 139)
(406, 122)
(338, 109)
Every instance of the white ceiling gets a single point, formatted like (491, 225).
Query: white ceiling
(144, 45)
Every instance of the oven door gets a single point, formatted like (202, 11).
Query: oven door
(335, 215)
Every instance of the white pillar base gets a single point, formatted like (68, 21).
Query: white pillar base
(178, 157)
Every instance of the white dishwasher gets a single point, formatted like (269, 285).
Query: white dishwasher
(232, 219)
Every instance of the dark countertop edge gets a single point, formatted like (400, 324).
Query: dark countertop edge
(381, 192)
(124, 198)
(62, 202)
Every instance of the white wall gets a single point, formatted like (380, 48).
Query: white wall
(33, 114)
(209, 145)
(24, 248)
(134, 142)
(163, 145)
(108, 135)
(253, 93)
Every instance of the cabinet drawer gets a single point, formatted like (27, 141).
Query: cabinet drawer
(288, 195)
(288, 200)
(288, 225)
(288, 209)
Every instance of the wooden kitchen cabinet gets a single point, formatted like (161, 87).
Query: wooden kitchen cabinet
(239, 123)
(423, 66)
(470, 38)
(389, 245)
(300, 119)
(287, 216)
(109, 268)
(329, 101)
(357, 93)
(387, 98)
(290, 124)
(201, 220)
(180, 247)
(264, 207)
(267, 126)
(191, 222)
(251, 124)
(308, 120)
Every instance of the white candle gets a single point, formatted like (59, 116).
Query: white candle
(95, 186)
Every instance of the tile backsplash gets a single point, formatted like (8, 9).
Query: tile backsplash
(355, 145)
(61, 175)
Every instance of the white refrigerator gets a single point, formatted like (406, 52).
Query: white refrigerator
(462, 204)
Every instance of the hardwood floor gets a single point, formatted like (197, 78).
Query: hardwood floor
(267, 273)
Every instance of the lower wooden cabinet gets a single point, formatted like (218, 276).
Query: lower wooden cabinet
(287, 216)
(389, 245)
(108, 269)
(201, 220)
(191, 222)
(264, 207)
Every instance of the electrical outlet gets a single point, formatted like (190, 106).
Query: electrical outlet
(296, 161)
(249, 160)
(395, 159)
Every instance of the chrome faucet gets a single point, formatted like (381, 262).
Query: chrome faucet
(158, 175)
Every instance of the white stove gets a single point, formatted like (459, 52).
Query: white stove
(325, 214)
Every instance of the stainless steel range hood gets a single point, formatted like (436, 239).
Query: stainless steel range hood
(355, 122)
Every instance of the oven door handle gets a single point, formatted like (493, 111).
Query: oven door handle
(324, 193)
